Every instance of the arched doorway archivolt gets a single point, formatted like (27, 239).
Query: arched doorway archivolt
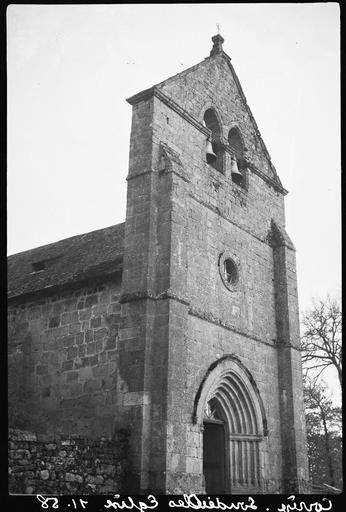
(229, 409)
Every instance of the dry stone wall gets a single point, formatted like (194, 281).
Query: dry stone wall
(67, 466)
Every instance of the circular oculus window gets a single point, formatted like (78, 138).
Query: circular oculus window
(229, 272)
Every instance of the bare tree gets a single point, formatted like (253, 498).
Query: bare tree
(323, 422)
(322, 339)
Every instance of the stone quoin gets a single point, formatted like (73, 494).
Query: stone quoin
(180, 326)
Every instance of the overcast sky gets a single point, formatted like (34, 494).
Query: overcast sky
(71, 67)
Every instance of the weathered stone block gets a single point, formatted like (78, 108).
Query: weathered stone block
(68, 341)
(42, 370)
(95, 322)
(54, 322)
(74, 328)
(44, 474)
(91, 300)
(67, 365)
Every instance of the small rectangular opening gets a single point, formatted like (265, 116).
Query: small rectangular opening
(38, 265)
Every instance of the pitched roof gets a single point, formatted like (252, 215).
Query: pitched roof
(77, 258)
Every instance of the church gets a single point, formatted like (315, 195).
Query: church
(179, 326)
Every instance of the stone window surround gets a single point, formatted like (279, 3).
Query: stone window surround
(223, 257)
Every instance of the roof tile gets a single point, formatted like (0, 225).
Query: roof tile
(79, 257)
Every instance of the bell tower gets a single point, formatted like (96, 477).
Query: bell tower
(209, 339)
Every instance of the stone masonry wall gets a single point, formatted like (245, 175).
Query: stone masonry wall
(63, 371)
(212, 84)
(206, 216)
(219, 217)
(192, 214)
(67, 466)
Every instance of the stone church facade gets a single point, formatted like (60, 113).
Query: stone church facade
(180, 325)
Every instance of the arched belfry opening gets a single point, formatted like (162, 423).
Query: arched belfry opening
(231, 415)
(211, 121)
(235, 141)
(236, 146)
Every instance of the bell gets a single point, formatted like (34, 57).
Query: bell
(236, 174)
(211, 157)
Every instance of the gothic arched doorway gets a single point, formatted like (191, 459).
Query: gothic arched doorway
(231, 414)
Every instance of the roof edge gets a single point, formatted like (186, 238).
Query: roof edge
(68, 285)
(258, 133)
(50, 244)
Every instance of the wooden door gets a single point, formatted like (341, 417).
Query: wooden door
(214, 457)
